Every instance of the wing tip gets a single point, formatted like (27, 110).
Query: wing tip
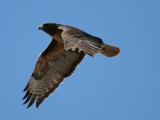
(26, 88)
(38, 103)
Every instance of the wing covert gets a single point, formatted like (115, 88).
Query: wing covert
(77, 39)
(54, 64)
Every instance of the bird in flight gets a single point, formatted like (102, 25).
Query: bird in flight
(68, 47)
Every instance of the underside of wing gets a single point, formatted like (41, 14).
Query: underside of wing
(81, 45)
(54, 64)
(76, 39)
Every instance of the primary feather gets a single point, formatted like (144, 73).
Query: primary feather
(66, 50)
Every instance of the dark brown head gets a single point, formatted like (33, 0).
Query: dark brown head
(50, 28)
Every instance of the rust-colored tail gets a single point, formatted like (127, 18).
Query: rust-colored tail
(109, 50)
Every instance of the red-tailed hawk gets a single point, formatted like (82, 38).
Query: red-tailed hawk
(68, 47)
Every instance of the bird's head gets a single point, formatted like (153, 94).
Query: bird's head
(50, 28)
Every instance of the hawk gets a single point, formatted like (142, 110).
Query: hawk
(68, 47)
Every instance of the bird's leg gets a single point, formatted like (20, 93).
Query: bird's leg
(77, 50)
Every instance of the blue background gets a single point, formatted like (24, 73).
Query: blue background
(126, 87)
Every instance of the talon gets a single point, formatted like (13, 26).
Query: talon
(76, 50)
(70, 50)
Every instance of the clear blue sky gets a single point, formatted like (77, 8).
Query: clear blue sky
(126, 87)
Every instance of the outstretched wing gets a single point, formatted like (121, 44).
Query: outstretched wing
(77, 39)
(52, 67)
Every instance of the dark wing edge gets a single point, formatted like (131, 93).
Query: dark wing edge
(53, 65)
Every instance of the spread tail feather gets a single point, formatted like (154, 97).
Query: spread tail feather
(109, 50)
